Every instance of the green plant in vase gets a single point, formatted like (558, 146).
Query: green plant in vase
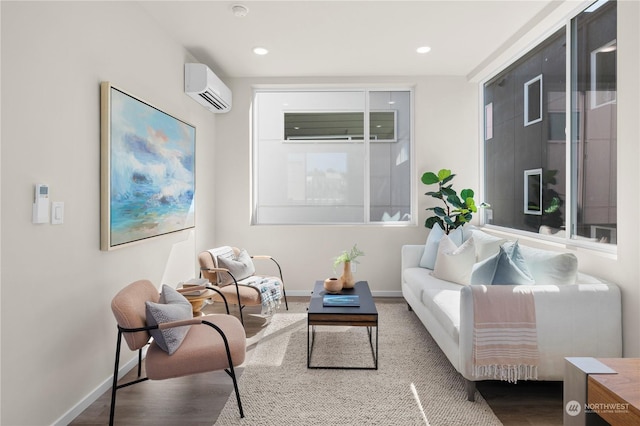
(346, 257)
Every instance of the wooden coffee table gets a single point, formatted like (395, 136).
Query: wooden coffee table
(365, 315)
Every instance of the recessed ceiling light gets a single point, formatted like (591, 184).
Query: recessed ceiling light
(423, 49)
(239, 10)
(260, 51)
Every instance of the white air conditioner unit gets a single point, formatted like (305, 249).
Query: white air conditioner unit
(206, 88)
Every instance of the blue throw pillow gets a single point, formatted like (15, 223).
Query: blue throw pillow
(507, 267)
(482, 272)
(511, 268)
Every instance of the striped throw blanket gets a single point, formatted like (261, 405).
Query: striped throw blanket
(505, 340)
(270, 289)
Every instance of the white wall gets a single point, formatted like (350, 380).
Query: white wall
(58, 332)
(306, 252)
(626, 271)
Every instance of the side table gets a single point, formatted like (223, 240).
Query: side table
(198, 302)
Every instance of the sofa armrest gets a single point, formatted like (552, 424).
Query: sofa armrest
(411, 255)
(571, 320)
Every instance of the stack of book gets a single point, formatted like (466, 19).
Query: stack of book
(193, 287)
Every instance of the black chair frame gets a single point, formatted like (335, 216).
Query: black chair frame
(121, 330)
(235, 282)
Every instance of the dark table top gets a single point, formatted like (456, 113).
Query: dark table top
(361, 288)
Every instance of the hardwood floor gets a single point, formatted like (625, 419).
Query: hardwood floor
(197, 400)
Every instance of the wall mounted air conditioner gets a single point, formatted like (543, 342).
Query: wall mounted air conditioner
(206, 88)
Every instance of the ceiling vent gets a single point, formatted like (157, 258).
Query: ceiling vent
(206, 88)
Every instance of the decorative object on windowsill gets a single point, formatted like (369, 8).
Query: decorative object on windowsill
(347, 257)
(457, 210)
(333, 285)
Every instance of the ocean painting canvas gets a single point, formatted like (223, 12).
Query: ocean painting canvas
(148, 171)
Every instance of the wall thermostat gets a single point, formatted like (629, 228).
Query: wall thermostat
(41, 204)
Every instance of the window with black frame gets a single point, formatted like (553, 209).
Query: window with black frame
(525, 120)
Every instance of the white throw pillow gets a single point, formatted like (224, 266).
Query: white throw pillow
(240, 266)
(550, 267)
(455, 263)
(486, 245)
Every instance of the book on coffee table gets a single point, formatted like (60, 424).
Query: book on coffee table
(193, 287)
(341, 300)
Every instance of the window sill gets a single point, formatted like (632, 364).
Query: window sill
(609, 251)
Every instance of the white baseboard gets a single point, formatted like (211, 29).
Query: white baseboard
(76, 410)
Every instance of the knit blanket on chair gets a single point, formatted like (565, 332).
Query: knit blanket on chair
(505, 339)
(270, 289)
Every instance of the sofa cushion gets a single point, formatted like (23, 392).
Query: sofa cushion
(549, 267)
(172, 306)
(455, 263)
(444, 304)
(415, 279)
(486, 245)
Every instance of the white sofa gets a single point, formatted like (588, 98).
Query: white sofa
(578, 319)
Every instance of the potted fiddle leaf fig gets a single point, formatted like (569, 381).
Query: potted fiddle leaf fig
(456, 210)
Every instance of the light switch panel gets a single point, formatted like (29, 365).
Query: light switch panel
(57, 213)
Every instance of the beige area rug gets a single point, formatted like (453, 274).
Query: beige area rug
(414, 385)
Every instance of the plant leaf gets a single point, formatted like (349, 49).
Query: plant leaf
(447, 179)
(432, 221)
(443, 174)
(429, 178)
(554, 206)
(471, 204)
(448, 220)
(466, 193)
(434, 194)
(455, 201)
(439, 211)
(448, 192)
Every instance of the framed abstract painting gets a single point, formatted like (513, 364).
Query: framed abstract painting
(147, 170)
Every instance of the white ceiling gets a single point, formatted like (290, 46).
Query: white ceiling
(346, 38)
